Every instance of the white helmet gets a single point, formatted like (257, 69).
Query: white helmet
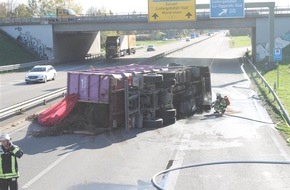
(4, 137)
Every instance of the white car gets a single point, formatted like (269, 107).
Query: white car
(40, 73)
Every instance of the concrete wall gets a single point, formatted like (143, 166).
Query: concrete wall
(282, 35)
(37, 38)
(42, 40)
(75, 46)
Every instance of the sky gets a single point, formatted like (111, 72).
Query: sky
(139, 6)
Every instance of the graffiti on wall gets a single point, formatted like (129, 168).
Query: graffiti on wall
(33, 44)
(262, 50)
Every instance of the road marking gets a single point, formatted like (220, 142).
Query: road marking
(170, 179)
(49, 168)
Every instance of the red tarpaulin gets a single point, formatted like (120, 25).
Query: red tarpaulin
(59, 111)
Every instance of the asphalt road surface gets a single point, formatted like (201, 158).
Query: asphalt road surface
(13, 84)
(128, 159)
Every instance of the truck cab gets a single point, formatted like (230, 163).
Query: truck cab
(66, 14)
(113, 47)
(117, 46)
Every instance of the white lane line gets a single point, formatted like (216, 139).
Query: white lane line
(170, 180)
(49, 168)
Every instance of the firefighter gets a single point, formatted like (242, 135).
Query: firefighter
(8, 163)
(219, 104)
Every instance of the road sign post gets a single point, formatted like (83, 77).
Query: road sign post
(227, 9)
(277, 57)
(171, 10)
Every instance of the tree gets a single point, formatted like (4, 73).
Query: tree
(45, 7)
(33, 7)
(3, 10)
(9, 8)
(96, 11)
(22, 11)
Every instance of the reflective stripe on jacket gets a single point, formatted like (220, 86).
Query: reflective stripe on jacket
(8, 162)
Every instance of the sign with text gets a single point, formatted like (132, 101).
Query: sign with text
(171, 10)
(227, 9)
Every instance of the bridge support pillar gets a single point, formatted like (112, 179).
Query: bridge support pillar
(272, 31)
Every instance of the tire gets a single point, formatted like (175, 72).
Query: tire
(169, 121)
(153, 78)
(167, 83)
(168, 116)
(156, 123)
(168, 76)
(166, 113)
(54, 77)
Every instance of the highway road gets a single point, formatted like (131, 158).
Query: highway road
(13, 84)
(128, 159)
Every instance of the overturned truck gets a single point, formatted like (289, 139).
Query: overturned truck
(136, 96)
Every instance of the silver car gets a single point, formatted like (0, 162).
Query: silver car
(40, 73)
(151, 48)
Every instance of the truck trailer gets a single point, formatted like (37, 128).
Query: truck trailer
(136, 96)
(61, 14)
(117, 46)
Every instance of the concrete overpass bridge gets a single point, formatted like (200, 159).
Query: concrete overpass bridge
(73, 40)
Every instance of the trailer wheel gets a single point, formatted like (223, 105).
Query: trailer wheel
(155, 123)
(168, 76)
(168, 116)
(167, 83)
(133, 51)
(169, 121)
(152, 78)
(169, 113)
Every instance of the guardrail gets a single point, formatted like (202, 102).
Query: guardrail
(20, 107)
(25, 65)
(282, 109)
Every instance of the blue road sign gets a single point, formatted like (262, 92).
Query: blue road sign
(227, 9)
(277, 54)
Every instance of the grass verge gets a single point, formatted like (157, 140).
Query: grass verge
(11, 53)
(282, 92)
(279, 75)
(240, 41)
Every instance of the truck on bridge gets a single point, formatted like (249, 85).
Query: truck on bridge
(120, 45)
(61, 14)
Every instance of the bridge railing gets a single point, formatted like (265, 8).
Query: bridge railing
(127, 17)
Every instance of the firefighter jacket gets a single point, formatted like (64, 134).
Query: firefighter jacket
(8, 162)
